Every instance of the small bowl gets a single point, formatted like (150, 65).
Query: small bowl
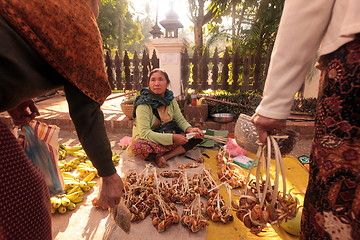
(223, 117)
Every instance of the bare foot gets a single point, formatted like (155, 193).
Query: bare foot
(161, 162)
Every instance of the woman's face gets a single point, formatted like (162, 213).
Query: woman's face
(157, 83)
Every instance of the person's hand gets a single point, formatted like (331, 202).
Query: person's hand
(197, 131)
(112, 190)
(265, 126)
(24, 113)
(179, 139)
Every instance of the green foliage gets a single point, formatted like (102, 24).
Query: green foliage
(246, 102)
(254, 23)
(108, 21)
(264, 27)
(307, 105)
(132, 30)
(117, 26)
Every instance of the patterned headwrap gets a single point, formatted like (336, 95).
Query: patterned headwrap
(154, 100)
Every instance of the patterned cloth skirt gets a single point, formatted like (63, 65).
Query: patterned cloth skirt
(332, 200)
(142, 148)
(24, 196)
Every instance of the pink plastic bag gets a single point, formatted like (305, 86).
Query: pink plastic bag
(125, 142)
(234, 149)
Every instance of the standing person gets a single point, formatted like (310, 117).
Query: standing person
(45, 45)
(332, 200)
(154, 106)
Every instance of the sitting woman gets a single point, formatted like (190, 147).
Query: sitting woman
(156, 106)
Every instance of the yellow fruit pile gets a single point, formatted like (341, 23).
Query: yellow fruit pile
(116, 158)
(78, 175)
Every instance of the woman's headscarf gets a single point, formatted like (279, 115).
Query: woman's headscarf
(154, 100)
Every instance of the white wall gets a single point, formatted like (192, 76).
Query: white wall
(169, 50)
(312, 86)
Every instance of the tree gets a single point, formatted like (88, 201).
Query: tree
(262, 34)
(200, 18)
(132, 33)
(252, 30)
(146, 23)
(117, 27)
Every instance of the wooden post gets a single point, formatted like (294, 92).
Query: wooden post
(225, 71)
(109, 70)
(119, 84)
(136, 74)
(145, 71)
(204, 70)
(185, 69)
(245, 84)
(215, 70)
(154, 60)
(235, 70)
(195, 71)
(127, 72)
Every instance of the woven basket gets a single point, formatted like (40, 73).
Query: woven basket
(127, 108)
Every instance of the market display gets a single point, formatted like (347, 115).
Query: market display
(160, 194)
(262, 202)
(194, 215)
(191, 198)
(228, 171)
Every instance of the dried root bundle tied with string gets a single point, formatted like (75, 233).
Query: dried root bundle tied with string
(231, 173)
(189, 165)
(262, 202)
(139, 204)
(228, 171)
(206, 183)
(187, 189)
(163, 214)
(165, 190)
(223, 156)
(171, 173)
(217, 210)
(130, 177)
(178, 190)
(139, 193)
(193, 216)
(201, 184)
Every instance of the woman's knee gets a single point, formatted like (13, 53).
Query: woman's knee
(140, 148)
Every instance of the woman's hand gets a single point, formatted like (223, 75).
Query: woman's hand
(111, 192)
(179, 139)
(197, 131)
(24, 113)
(265, 126)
